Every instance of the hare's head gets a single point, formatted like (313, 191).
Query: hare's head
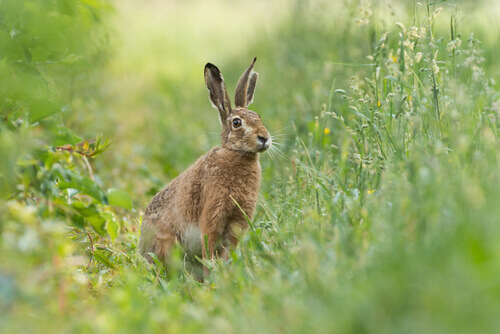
(242, 129)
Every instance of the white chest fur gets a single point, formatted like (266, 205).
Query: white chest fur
(191, 240)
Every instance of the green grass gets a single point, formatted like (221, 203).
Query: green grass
(381, 217)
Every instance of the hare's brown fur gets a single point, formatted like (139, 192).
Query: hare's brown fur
(201, 200)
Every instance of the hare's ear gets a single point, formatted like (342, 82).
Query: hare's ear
(246, 87)
(218, 93)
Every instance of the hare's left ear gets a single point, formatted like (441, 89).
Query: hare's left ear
(246, 87)
(218, 93)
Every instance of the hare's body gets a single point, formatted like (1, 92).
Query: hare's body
(201, 201)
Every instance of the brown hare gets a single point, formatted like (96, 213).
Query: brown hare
(201, 200)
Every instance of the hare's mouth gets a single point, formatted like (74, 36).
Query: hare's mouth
(264, 145)
(262, 149)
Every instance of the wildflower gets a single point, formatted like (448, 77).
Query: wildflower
(435, 67)
(469, 61)
(477, 72)
(436, 13)
(378, 104)
(370, 191)
(408, 44)
(412, 32)
(326, 131)
(394, 59)
(422, 32)
(418, 57)
(365, 10)
(454, 44)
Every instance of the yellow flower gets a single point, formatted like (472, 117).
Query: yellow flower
(326, 131)
(370, 191)
(394, 59)
(378, 104)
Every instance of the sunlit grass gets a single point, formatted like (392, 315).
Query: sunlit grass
(379, 199)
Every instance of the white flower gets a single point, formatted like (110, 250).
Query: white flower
(436, 13)
(408, 44)
(412, 32)
(454, 44)
(418, 57)
(435, 67)
(422, 32)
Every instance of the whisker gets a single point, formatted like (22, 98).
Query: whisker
(273, 158)
(275, 141)
(279, 136)
(282, 129)
(277, 133)
(278, 152)
(269, 156)
(240, 155)
(279, 144)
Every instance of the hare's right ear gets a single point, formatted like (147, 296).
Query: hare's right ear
(245, 88)
(218, 93)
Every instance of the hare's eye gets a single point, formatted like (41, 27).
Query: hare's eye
(236, 123)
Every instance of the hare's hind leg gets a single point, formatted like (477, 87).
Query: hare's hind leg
(161, 247)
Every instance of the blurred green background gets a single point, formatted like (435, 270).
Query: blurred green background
(379, 205)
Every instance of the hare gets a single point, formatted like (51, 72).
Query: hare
(201, 200)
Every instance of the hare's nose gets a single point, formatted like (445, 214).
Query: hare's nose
(262, 140)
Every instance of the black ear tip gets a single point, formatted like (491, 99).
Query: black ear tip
(254, 60)
(210, 66)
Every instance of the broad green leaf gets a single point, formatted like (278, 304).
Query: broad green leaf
(78, 221)
(119, 198)
(102, 258)
(86, 185)
(113, 228)
(98, 224)
(11, 49)
(91, 214)
(42, 108)
(64, 136)
(84, 210)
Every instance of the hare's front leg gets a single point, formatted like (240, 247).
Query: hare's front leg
(212, 223)
(212, 239)
(231, 237)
